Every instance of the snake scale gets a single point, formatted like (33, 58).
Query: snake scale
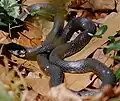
(57, 46)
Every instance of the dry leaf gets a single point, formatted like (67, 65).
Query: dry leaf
(77, 81)
(94, 4)
(3, 37)
(33, 37)
(73, 81)
(99, 55)
(39, 85)
(60, 93)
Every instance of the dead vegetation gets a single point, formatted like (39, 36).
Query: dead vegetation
(25, 81)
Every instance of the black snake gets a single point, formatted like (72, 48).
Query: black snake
(57, 46)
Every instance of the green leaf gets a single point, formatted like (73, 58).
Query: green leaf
(11, 7)
(117, 74)
(4, 96)
(101, 31)
(113, 46)
(15, 5)
(2, 10)
(111, 39)
(5, 19)
(3, 16)
(3, 24)
(116, 57)
(43, 13)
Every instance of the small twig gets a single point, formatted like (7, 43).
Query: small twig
(9, 30)
(20, 75)
(16, 26)
(1, 49)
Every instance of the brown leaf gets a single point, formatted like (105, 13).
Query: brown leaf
(39, 85)
(60, 93)
(99, 55)
(3, 37)
(94, 4)
(33, 37)
(77, 81)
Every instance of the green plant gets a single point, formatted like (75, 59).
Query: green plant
(9, 10)
(11, 7)
(114, 45)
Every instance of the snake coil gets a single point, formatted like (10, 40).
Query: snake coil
(58, 46)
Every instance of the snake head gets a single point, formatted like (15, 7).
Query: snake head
(18, 53)
(16, 50)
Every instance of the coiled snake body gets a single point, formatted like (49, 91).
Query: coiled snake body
(59, 46)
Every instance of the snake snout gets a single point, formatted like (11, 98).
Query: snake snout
(88, 25)
(16, 49)
(18, 53)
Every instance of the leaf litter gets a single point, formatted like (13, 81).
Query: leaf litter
(38, 82)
